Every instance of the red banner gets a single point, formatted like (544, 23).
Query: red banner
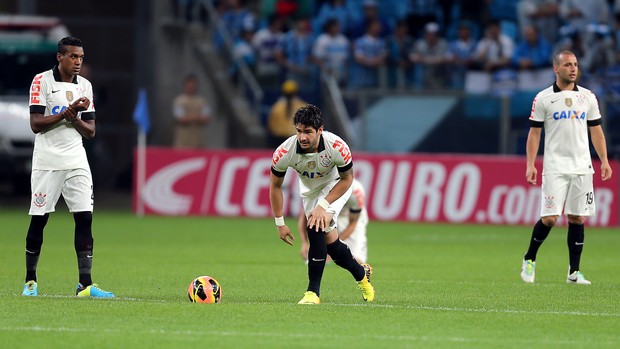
(420, 187)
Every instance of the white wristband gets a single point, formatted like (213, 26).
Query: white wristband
(323, 203)
(279, 221)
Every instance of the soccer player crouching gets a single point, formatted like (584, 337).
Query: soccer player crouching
(324, 164)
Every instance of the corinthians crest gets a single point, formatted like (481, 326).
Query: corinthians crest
(549, 200)
(69, 95)
(568, 102)
(325, 160)
(40, 199)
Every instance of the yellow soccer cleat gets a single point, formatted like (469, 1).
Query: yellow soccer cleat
(92, 291)
(367, 270)
(368, 292)
(310, 298)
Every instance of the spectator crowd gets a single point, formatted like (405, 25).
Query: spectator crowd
(419, 44)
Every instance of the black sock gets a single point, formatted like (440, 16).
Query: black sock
(34, 241)
(84, 245)
(317, 254)
(85, 264)
(575, 240)
(539, 234)
(341, 254)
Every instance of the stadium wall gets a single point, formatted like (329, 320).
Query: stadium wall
(482, 189)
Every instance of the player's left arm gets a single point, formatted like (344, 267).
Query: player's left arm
(346, 179)
(85, 124)
(597, 136)
(598, 141)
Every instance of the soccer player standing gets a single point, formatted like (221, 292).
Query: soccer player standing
(566, 111)
(324, 165)
(61, 113)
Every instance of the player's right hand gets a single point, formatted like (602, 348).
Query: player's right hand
(605, 171)
(530, 174)
(285, 234)
(81, 104)
(70, 114)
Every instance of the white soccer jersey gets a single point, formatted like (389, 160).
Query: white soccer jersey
(566, 116)
(315, 170)
(59, 148)
(356, 203)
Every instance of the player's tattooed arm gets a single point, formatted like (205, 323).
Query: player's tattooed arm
(345, 182)
(347, 173)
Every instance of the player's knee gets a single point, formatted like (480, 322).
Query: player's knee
(83, 232)
(37, 223)
(83, 219)
(334, 247)
(549, 221)
(576, 219)
(314, 235)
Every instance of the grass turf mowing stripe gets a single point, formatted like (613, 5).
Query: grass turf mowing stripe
(323, 336)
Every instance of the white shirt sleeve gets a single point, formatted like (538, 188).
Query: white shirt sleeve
(593, 110)
(538, 109)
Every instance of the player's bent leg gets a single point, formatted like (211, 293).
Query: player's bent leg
(342, 256)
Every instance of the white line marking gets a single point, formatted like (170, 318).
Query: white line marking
(483, 310)
(377, 305)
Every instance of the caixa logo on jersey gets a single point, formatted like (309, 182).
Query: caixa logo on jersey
(569, 114)
(57, 109)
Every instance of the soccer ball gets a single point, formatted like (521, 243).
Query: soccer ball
(204, 289)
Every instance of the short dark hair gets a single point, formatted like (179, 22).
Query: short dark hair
(68, 41)
(556, 57)
(310, 116)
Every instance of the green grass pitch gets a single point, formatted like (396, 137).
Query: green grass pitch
(438, 286)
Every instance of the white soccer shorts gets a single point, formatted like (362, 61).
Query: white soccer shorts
(76, 187)
(570, 192)
(335, 207)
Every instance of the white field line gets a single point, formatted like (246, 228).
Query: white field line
(484, 310)
(45, 295)
(379, 305)
(196, 335)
